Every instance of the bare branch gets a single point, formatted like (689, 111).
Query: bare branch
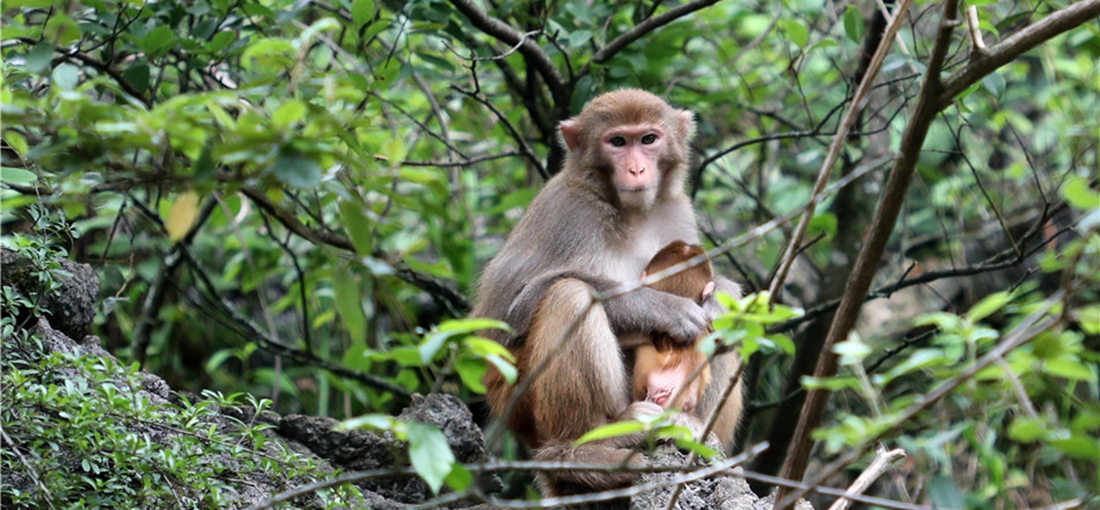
(455, 302)
(1012, 46)
(511, 36)
(450, 164)
(692, 473)
(934, 96)
(525, 148)
(882, 462)
(850, 118)
(640, 30)
(1032, 325)
(977, 44)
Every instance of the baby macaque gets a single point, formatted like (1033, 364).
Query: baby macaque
(663, 367)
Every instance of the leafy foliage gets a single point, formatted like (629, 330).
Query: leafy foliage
(81, 432)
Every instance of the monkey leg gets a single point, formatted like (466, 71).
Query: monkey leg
(584, 385)
(722, 369)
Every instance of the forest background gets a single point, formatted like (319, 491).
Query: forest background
(293, 200)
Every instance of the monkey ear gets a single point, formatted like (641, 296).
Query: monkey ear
(708, 289)
(687, 124)
(571, 134)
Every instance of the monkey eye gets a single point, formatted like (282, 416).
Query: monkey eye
(648, 139)
(617, 141)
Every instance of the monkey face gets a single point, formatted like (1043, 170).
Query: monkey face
(633, 152)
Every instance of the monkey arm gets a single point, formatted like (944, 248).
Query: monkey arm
(648, 310)
(644, 310)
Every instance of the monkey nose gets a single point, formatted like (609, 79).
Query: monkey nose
(637, 171)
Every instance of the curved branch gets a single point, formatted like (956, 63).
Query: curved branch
(455, 302)
(983, 63)
(640, 30)
(511, 36)
(929, 103)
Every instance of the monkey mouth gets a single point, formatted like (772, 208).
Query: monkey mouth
(635, 189)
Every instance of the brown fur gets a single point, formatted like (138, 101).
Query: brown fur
(665, 357)
(591, 228)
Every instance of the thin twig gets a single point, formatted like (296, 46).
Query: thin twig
(641, 29)
(508, 34)
(883, 460)
(1029, 328)
(693, 473)
(30, 469)
(849, 120)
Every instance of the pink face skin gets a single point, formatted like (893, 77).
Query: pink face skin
(634, 151)
(662, 385)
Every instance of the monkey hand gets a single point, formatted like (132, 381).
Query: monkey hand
(683, 320)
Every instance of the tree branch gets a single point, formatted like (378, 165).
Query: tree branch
(509, 35)
(1012, 46)
(930, 102)
(455, 302)
(863, 271)
(846, 124)
(640, 30)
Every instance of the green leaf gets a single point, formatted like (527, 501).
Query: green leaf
(796, 32)
(362, 11)
(204, 169)
(430, 454)
(853, 350)
(918, 360)
(945, 493)
(370, 421)
(221, 40)
(269, 53)
(471, 370)
(995, 83)
(944, 321)
(220, 356)
(619, 428)
(853, 23)
(1079, 195)
(1069, 367)
(346, 290)
(137, 75)
(17, 175)
(485, 347)
(39, 4)
(39, 57)
(1079, 446)
(288, 113)
(472, 324)
(1088, 317)
(505, 367)
(832, 384)
(17, 142)
(700, 449)
(1027, 429)
(295, 169)
(158, 39)
(66, 76)
(359, 228)
(579, 38)
(432, 344)
(459, 479)
(394, 150)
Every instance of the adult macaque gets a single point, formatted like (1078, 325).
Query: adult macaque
(663, 368)
(618, 199)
